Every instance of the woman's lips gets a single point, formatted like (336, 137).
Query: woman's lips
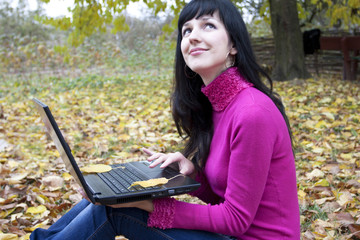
(197, 51)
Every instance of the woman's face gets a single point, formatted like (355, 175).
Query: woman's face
(206, 46)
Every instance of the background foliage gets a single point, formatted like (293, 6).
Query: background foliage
(91, 16)
(35, 49)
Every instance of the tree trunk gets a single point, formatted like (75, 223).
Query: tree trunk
(289, 50)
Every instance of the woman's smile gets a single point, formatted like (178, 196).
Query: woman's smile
(197, 51)
(206, 46)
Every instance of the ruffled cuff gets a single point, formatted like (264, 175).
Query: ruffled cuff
(163, 214)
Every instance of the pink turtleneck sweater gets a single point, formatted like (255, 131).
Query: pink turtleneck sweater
(249, 179)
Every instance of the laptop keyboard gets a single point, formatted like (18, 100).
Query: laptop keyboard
(120, 178)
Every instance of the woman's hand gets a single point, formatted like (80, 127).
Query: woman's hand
(146, 205)
(186, 167)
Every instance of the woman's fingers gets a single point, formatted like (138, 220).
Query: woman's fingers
(157, 159)
(167, 159)
(148, 151)
(155, 156)
(184, 165)
(146, 205)
(171, 158)
(152, 155)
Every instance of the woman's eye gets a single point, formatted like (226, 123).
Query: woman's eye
(210, 26)
(186, 31)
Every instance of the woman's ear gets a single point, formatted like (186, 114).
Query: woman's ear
(233, 50)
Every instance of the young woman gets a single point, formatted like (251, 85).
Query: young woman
(238, 145)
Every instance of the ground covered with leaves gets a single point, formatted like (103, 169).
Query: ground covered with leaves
(108, 120)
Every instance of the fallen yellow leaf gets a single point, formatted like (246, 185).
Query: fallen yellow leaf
(346, 156)
(66, 176)
(36, 210)
(25, 237)
(39, 225)
(301, 194)
(96, 168)
(150, 183)
(4, 214)
(321, 124)
(8, 236)
(323, 183)
(40, 199)
(13, 164)
(317, 150)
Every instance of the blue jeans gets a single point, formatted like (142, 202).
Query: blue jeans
(88, 221)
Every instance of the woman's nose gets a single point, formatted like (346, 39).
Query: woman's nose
(194, 35)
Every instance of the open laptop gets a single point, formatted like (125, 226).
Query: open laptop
(113, 187)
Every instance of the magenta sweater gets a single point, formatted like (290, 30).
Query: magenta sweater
(249, 180)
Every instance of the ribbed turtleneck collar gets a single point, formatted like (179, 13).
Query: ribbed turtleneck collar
(222, 90)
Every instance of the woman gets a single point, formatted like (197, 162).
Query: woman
(238, 146)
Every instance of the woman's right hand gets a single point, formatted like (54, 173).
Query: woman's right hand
(186, 167)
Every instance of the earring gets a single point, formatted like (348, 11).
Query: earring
(192, 73)
(232, 61)
(232, 57)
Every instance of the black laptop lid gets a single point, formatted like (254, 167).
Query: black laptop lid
(63, 148)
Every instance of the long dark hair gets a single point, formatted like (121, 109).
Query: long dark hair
(192, 111)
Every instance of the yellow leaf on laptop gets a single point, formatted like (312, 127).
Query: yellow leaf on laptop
(96, 168)
(151, 182)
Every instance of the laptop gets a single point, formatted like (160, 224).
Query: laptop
(114, 187)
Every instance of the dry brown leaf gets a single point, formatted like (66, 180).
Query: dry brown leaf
(323, 224)
(53, 183)
(355, 229)
(17, 178)
(316, 173)
(323, 200)
(344, 218)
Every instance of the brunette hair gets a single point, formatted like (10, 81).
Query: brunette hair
(192, 111)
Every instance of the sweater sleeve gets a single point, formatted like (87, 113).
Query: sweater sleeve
(251, 148)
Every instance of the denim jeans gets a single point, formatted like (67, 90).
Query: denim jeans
(88, 221)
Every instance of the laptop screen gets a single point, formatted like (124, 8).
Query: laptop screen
(55, 133)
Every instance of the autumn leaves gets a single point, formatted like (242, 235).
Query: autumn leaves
(121, 115)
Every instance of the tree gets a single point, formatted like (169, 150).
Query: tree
(285, 18)
(289, 51)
